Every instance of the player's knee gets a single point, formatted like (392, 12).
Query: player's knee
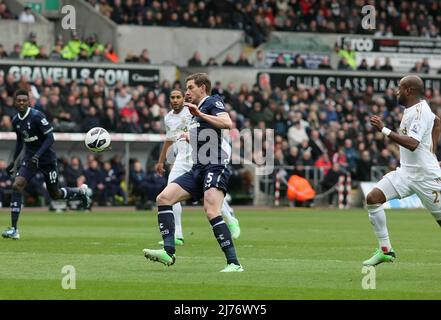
(162, 199)
(19, 185)
(375, 197)
(55, 194)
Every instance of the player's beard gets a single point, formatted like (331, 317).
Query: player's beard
(402, 100)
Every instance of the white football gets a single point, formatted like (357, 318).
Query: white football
(97, 139)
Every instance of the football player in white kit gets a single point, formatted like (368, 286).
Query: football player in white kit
(419, 172)
(177, 124)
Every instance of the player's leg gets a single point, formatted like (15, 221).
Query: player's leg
(429, 193)
(82, 193)
(177, 171)
(215, 184)
(24, 175)
(384, 190)
(231, 220)
(172, 194)
(213, 199)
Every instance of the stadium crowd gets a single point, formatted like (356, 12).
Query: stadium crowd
(312, 126)
(259, 17)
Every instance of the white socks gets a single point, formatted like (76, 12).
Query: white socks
(227, 212)
(377, 216)
(177, 211)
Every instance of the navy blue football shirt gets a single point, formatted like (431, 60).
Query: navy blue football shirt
(210, 145)
(32, 129)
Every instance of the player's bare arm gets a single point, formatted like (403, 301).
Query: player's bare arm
(404, 141)
(159, 167)
(220, 121)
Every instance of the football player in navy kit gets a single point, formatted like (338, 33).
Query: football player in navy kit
(208, 177)
(34, 133)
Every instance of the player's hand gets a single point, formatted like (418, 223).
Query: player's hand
(377, 123)
(194, 110)
(159, 168)
(10, 168)
(184, 137)
(33, 163)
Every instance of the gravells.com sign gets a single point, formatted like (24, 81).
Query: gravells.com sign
(340, 82)
(133, 77)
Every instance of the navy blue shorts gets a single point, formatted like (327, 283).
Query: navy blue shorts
(201, 178)
(49, 171)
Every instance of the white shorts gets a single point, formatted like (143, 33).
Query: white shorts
(397, 186)
(177, 170)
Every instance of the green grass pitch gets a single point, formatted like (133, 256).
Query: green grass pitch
(286, 253)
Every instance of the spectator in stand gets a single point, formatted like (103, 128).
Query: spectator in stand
(104, 8)
(95, 179)
(344, 65)
(122, 98)
(73, 172)
(110, 120)
(56, 55)
(260, 61)
(145, 57)
(330, 181)
(417, 68)
(297, 133)
(3, 53)
(280, 62)
(211, 62)
(387, 65)
(425, 67)
(6, 123)
(364, 165)
(243, 61)
(363, 65)
(324, 163)
(146, 186)
(325, 63)
(5, 14)
(16, 53)
(340, 158)
(110, 54)
(299, 63)
(72, 49)
(27, 16)
(196, 60)
(228, 60)
(376, 66)
(347, 54)
(5, 182)
(113, 193)
(91, 120)
(30, 48)
(42, 55)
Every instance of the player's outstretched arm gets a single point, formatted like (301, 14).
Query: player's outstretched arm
(47, 143)
(404, 141)
(18, 147)
(221, 120)
(159, 167)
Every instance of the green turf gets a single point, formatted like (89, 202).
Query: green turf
(287, 254)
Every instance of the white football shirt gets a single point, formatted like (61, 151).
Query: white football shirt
(420, 164)
(175, 125)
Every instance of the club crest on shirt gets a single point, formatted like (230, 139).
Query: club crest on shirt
(415, 128)
(403, 131)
